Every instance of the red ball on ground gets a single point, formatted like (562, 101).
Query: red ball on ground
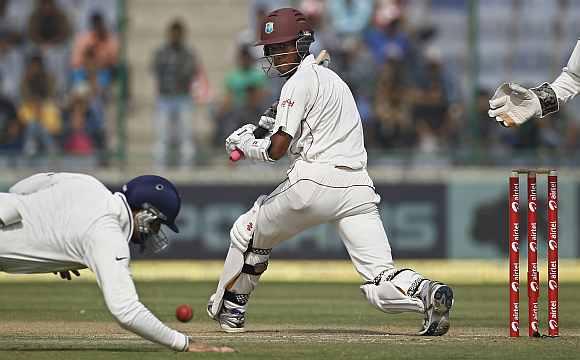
(184, 313)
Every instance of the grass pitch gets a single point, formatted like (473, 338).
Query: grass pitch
(286, 320)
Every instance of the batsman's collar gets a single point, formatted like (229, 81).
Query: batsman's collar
(125, 216)
(309, 60)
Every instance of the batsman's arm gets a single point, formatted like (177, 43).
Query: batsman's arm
(323, 59)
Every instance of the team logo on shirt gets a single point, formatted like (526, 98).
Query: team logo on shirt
(287, 102)
(269, 28)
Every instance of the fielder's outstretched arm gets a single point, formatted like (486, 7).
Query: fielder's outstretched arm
(107, 255)
(512, 104)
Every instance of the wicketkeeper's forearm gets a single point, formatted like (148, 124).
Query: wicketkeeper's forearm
(567, 85)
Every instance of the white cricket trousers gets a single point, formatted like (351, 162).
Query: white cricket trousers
(315, 194)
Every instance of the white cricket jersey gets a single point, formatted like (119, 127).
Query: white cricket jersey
(72, 221)
(567, 85)
(318, 110)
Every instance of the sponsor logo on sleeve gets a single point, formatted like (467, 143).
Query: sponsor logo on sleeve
(287, 103)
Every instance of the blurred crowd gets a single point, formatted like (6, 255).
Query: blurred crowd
(410, 99)
(58, 61)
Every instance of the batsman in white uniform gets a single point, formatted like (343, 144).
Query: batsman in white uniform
(317, 123)
(63, 222)
(513, 105)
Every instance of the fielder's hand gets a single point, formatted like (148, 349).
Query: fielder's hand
(240, 137)
(66, 274)
(513, 105)
(199, 347)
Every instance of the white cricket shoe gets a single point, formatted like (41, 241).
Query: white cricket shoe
(231, 316)
(438, 300)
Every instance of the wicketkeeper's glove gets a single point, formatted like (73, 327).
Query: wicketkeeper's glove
(513, 105)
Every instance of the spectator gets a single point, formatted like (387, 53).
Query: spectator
(38, 111)
(48, 25)
(104, 43)
(431, 105)
(387, 39)
(359, 72)
(86, 126)
(232, 119)
(324, 36)
(49, 30)
(243, 77)
(10, 67)
(13, 15)
(174, 67)
(392, 108)
(350, 17)
(10, 127)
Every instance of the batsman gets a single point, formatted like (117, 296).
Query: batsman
(315, 122)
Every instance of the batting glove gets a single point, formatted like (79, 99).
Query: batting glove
(241, 136)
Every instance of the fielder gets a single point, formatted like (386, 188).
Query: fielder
(513, 105)
(65, 222)
(318, 125)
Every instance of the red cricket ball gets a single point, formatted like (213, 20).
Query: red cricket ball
(184, 313)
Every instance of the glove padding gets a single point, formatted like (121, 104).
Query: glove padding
(513, 105)
(241, 136)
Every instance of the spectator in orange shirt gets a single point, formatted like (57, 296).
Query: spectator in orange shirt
(99, 38)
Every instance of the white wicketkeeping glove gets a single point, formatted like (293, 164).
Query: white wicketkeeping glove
(239, 137)
(513, 105)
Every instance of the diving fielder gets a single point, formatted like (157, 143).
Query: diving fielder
(63, 222)
(513, 105)
(318, 125)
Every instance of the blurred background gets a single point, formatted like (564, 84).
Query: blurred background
(117, 88)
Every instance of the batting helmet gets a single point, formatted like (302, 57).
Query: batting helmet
(284, 25)
(151, 190)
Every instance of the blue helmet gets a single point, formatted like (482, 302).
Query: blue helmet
(151, 190)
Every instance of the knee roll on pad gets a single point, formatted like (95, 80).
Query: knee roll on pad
(243, 229)
(255, 263)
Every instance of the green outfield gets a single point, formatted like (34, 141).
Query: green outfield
(286, 320)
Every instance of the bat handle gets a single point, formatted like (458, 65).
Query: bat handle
(236, 155)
